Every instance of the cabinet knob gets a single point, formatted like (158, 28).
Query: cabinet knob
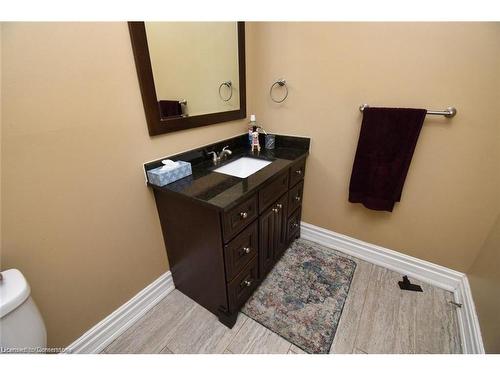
(279, 206)
(295, 225)
(298, 171)
(297, 198)
(244, 215)
(246, 283)
(275, 210)
(246, 250)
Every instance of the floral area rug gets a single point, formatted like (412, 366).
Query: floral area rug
(303, 296)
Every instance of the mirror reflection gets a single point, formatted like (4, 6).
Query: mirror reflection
(195, 67)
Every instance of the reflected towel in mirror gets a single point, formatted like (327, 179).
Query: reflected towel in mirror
(170, 108)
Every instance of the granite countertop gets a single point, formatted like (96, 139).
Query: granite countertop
(223, 191)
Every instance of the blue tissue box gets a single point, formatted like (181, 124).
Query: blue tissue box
(161, 177)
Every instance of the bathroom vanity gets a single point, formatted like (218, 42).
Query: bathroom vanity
(224, 233)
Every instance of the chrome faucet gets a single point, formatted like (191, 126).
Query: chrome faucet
(221, 156)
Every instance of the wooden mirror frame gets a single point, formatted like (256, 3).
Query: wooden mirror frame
(157, 125)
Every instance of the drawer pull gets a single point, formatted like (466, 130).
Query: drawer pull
(275, 210)
(246, 283)
(279, 206)
(297, 198)
(243, 215)
(295, 225)
(245, 250)
(298, 171)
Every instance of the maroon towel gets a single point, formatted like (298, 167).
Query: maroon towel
(385, 147)
(170, 108)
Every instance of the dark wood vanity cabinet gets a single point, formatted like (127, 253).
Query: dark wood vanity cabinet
(218, 258)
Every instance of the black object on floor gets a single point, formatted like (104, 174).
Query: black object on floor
(407, 285)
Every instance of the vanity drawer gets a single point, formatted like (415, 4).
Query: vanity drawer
(297, 172)
(241, 250)
(242, 287)
(273, 191)
(295, 197)
(293, 226)
(239, 217)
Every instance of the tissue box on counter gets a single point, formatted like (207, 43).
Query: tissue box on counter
(162, 176)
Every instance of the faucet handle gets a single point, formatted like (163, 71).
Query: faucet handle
(214, 157)
(225, 148)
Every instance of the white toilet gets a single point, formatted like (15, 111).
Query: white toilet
(21, 325)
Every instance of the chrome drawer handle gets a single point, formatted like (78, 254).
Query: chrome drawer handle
(246, 250)
(244, 215)
(278, 207)
(246, 283)
(297, 198)
(298, 171)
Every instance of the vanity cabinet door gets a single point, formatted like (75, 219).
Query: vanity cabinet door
(273, 234)
(280, 227)
(267, 223)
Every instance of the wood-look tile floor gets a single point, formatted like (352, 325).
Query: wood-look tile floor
(378, 317)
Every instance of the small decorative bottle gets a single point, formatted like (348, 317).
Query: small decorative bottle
(255, 139)
(252, 124)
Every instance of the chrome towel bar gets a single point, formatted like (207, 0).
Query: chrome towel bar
(448, 112)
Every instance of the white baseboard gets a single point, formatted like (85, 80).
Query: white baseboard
(422, 270)
(108, 329)
(472, 341)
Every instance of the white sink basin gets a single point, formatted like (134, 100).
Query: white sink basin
(243, 167)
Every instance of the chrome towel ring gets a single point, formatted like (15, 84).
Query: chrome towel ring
(281, 83)
(229, 85)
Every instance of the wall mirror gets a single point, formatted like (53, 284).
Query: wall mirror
(191, 73)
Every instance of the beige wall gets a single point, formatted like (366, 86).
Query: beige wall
(191, 59)
(484, 277)
(77, 219)
(1, 128)
(450, 198)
